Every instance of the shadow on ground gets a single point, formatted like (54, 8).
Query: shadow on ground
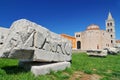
(14, 69)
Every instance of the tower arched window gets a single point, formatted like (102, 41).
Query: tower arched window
(111, 36)
(111, 30)
(111, 41)
(108, 30)
(107, 24)
(110, 24)
(76, 35)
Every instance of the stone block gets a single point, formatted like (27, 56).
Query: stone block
(39, 40)
(3, 35)
(38, 68)
(113, 51)
(99, 53)
(44, 45)
(36, 47)
(46, 56)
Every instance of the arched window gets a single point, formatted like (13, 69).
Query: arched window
(76, 35)
(107, 24)
(108, 30)
(78, 45)
(111, 41)
(111, 30)
(110, 24)
(111, 36)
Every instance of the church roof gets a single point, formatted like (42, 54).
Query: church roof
(65, 35)
(93, 27)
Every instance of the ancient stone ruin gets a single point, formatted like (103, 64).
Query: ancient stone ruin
(99, 53)
(35, 46)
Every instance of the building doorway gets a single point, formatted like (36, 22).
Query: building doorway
(78, 45)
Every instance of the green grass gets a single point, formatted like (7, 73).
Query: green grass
(108, 68)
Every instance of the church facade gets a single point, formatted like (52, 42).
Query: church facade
(93, 38)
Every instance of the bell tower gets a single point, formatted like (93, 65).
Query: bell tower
(110, 28)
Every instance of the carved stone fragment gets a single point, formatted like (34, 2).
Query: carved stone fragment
(30, 41)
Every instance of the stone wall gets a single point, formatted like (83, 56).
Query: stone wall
(94, 39)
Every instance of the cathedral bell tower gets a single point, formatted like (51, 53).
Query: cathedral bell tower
(110, 28)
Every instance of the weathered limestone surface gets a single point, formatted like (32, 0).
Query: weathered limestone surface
(29, 41)
(3, 35)
(113, 50)
(100, 53)
(43, 68)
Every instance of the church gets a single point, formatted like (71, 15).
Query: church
(93, 37)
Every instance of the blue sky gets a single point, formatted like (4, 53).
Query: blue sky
(61, 16)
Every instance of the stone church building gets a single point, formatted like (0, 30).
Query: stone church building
(93, 37)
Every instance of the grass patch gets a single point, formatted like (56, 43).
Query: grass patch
(107, 67)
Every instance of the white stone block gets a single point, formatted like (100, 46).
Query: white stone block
(44, 45)
(46, 56)
(39, 40)
(3, 35)
(46, 69)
